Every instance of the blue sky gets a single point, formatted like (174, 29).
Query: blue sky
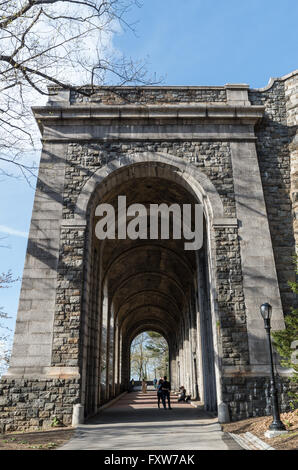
(213, 42)
(190, 42)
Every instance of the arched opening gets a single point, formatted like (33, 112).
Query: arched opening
(149, 357)
(137, 285)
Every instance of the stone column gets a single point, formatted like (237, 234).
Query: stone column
(260, 282)
(110, 352)
(103, 349)
(291, 93)
(190, 375)
(173, 368)
(32, 350)
(121, 388)
(116, 363)
(98, 344)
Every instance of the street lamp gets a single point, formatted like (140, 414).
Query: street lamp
(276, 425)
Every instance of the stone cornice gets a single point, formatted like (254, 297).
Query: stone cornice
(254, 371)
(51, 372)
(200, 112)
(57, 89)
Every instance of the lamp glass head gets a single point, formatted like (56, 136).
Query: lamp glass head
(266, 311)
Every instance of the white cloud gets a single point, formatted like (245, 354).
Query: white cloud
(12, 231)
(74, 47)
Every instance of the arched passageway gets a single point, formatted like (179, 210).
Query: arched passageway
(132, 286)
(83, 300)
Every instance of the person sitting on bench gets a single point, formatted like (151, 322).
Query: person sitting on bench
(182, 395)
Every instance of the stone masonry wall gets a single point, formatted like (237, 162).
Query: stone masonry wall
(273, 140)
(32, 403)
(67, 320)
(29, 404)
(231, 306)
(250, 396)
(150, 95)
(212, 158)
(291, 95)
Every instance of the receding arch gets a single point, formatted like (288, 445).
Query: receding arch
(157, 293)
(149, 273)
(147, 326)
(156, 246)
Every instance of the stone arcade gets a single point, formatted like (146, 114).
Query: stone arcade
(229, 148)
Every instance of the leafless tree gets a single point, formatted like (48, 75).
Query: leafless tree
(149, 355)
(61, 42)
(6, 280)
(139, 357)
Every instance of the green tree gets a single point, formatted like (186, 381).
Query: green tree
(286, 342)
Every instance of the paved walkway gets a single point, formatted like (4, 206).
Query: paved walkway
(134, 422)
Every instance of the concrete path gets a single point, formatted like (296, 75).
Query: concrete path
(134, 422)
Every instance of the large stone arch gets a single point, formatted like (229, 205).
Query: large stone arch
(151, 164)
(193, 179)
(212, 129)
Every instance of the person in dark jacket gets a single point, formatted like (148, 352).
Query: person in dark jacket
(166, 390)
(159, 392)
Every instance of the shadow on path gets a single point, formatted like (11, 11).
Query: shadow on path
(135, 422)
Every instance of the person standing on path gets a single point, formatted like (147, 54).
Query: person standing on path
(166, 390)
(131, 385)
(159, 392)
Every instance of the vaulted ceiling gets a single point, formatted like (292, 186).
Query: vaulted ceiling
(148, 281)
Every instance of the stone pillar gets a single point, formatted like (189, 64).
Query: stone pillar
(111, 349)
(35, 387)
(260, 282)
(206, 340)
(199, 358)
(32, 350)
(189, 358)
(121, 388)
(173, 368)
(104, 343)
(98, 344)
(291, 92)
(116, 365)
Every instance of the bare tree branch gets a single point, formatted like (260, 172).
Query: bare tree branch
(67, 43)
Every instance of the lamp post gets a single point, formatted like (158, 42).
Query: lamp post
(276, 426)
